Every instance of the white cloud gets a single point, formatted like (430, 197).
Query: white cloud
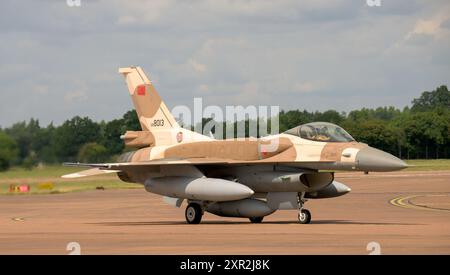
(431, 27)
(75, 96)
(197, 66)
(303, 87)
(142, 12)
(203, 88)
(315, 54)
(41, 89)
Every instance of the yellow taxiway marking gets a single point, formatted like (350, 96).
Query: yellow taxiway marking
(405, 202)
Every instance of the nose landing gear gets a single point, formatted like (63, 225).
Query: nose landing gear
(304, 216)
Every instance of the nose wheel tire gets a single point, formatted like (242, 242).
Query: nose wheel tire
(256, 219)
(304, 216)
(193, 213)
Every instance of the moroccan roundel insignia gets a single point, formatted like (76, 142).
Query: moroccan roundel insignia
(180, 137)
(141, 90)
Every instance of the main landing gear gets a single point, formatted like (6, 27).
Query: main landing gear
(304, 216)
(193, 213)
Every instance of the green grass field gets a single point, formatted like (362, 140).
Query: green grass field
(47, 171)
(52, 174)
(428, 165)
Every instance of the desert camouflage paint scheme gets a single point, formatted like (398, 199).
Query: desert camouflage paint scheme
(245, 177)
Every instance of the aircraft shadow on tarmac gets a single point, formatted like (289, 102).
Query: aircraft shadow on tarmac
(243, 222)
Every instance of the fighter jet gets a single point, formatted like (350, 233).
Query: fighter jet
(248, 178)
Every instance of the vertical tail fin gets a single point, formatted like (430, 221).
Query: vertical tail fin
(151, 110)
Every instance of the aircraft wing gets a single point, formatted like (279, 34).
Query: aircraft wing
(102, 168)
(105, 168)
(123, 165)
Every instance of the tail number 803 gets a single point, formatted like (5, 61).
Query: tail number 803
(157, 123)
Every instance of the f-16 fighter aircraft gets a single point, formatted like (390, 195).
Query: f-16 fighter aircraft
(249, 178)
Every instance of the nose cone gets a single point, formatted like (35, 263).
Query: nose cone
(371, 159)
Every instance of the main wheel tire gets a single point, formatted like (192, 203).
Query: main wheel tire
(193, 213)
(256, 219)
(304, 216)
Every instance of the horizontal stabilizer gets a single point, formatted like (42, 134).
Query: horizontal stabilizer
(88, 173)
(138, 139)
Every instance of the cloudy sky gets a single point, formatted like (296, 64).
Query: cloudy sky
(59, 61)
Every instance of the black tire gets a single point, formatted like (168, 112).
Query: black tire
(256, 219)
(304, 217)
(193, 213)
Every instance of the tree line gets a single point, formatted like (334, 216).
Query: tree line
(419, 131)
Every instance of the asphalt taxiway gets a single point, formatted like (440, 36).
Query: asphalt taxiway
(403, 212)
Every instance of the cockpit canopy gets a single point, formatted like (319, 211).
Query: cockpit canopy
(321, 131)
